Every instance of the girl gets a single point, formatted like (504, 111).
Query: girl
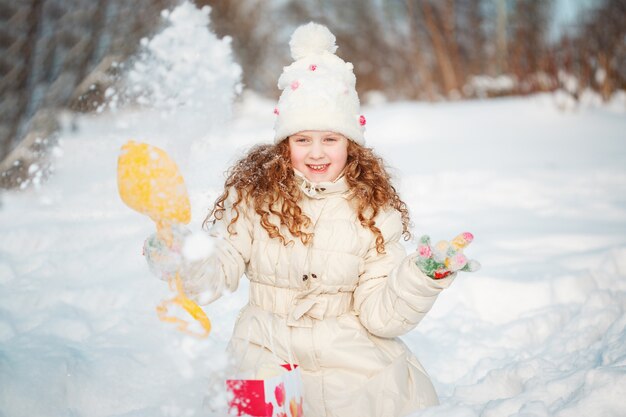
(315, 224)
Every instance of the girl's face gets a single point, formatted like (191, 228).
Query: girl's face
(320, 156)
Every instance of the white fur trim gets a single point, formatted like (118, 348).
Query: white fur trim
(302, 119)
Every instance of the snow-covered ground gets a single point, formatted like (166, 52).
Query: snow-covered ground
(539, 331)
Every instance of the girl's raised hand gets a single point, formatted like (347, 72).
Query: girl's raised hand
(445, 257)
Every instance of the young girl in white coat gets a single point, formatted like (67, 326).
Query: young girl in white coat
(314, 223)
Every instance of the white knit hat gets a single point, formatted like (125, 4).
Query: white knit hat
(318, 88)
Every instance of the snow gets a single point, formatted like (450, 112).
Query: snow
(539, 331)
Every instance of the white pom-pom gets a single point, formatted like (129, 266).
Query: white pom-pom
(311, 39)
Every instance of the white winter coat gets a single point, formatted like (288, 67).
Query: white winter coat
(336, 304)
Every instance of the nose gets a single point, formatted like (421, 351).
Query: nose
(317, 150)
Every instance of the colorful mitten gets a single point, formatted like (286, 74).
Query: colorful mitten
(445, 257)
(165, 261)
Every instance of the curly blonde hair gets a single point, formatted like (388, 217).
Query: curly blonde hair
(265, 178)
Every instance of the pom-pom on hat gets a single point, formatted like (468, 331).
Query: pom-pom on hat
(318, 88)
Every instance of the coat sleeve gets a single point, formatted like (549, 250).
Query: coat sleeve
(205, 280)
(393, 294)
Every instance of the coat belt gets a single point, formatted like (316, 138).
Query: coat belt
(300, 307)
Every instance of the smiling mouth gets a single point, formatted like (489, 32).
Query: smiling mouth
(318, 168)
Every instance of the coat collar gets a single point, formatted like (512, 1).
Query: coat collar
(322, 189)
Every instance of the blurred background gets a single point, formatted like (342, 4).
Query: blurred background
(64, 54)
(540, 180)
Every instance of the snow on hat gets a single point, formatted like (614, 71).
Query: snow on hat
(318, 88)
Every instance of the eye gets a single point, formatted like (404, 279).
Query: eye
(331, 139)
(300, 140)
